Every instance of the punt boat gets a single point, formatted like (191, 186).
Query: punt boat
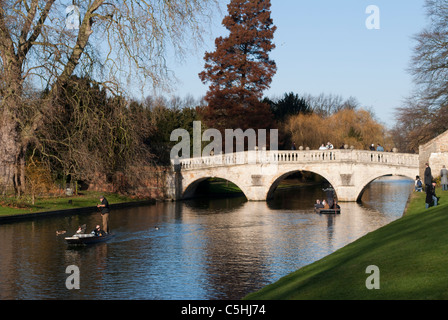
(327, 211)
(88, 238)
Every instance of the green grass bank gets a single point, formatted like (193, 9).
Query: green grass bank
(411, 254)
(87, 199)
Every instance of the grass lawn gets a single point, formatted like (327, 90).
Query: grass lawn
(411, 254)
(222, 187)
(10, 206)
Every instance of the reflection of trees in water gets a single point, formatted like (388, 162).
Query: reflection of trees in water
(210, 203)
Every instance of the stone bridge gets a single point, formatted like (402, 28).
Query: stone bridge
(258, 173)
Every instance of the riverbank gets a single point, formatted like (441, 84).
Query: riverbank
(12, 210)
(409, 252)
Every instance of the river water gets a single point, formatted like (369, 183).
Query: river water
(196, 250)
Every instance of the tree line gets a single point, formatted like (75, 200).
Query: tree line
(99, 139)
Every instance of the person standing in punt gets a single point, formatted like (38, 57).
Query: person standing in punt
(104, 207)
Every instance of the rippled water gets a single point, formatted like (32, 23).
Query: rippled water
(203, 249)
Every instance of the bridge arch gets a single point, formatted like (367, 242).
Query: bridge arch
(190, 189)
(282, 176)
(364, 186)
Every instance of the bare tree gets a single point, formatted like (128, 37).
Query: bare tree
(417, 123)
(327, 104)
(429, 63)
(90, 136)
(424, 114)
(114, 42)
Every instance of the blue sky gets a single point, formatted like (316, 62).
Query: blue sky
(324, 46)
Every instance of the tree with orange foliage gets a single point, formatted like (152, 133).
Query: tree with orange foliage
(355, 128)
(239, 70)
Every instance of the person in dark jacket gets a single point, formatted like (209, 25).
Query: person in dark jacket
(104, 207)
(431, 197)
(98, 232)
(428, 176)
(330, 195)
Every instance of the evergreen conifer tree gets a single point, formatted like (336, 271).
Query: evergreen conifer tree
(239, 70)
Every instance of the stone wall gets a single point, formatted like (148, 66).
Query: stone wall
(435, 152)
(138, 182)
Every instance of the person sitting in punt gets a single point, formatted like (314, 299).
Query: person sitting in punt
(336, 205)
(318, 205)
(81, 229)
(98, 232)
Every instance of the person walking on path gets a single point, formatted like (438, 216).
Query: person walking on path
(444, 178)
(104, 207)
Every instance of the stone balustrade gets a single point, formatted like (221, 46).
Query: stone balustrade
(297, 156)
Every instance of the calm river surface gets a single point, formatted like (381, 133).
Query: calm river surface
(203, 249)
